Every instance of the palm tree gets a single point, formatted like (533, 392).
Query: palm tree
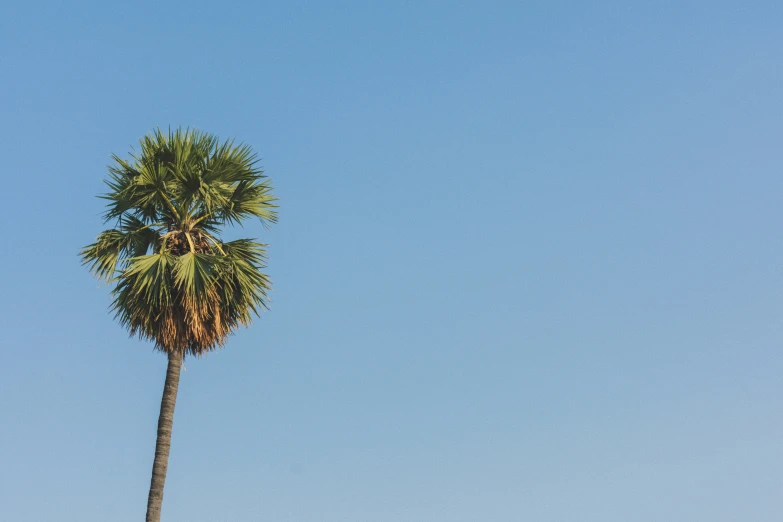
(176, 282)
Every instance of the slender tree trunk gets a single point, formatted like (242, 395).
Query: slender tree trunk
(163, 444)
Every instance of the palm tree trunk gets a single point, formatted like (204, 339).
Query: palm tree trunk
(163, 444)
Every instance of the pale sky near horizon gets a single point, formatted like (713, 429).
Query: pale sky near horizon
(527, 266)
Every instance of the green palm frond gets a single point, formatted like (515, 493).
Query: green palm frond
(131, 238)
(176, 282)
(244, 260)
(195, 276)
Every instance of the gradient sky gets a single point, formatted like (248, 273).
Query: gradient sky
(528, 266)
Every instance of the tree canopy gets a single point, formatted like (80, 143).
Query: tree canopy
(176, 282)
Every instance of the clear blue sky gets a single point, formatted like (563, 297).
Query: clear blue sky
(528, 266)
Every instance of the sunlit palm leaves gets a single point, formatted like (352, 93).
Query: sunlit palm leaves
(176, 282)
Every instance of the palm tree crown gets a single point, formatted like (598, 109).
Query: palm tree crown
(177, 282)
